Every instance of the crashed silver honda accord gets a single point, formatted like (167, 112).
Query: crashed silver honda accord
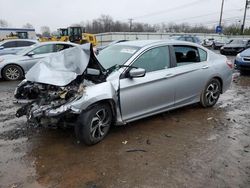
(125, 82)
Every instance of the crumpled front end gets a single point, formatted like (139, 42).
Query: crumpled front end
(52, 85)
(41, 103)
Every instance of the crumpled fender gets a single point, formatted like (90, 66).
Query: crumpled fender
(93, 94)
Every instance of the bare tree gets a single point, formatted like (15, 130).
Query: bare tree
(28, 26)
(45, 31)
(105, 23)
(3, 23)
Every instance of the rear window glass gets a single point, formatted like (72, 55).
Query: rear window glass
(24, 43)
(11, 44)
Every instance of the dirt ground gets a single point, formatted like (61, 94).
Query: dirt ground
(188, 147)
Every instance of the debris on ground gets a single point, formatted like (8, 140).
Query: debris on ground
(125, 142)
(167, 135)
(136, 150)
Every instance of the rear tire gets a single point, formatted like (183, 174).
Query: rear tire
(244, 72)
(211, 93)
(94, 124)
(12, 72)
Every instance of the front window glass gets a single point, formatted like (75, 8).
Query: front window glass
(154, 59)
(26, 50)
(44, 49)
(116, 55)
(60, 47)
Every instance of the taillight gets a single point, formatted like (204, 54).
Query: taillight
(229, 63)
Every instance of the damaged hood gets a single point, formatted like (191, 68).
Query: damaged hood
(63, 67)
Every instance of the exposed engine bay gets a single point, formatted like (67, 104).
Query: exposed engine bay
(38, 98)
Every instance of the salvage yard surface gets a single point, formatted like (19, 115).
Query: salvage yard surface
(188, 147)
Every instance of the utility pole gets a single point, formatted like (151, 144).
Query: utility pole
(244, 18)
(221, 12)
(130, 24)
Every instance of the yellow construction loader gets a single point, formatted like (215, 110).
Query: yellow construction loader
(72, 34)
(17, 35)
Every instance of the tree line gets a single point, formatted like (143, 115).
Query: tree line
(106, 23)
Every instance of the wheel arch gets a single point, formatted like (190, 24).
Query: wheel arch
(110, 102)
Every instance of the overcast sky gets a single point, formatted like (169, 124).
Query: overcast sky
(63, 13)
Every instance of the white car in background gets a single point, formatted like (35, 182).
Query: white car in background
(14, 45)
(14, 66)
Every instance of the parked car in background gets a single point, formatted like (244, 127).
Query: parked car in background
(235, 46)
(190, 38)
(129, 81)
(208, 42)
(14, 66)
(218, 43)
(242, 61)
(99, 48)
(14, 45)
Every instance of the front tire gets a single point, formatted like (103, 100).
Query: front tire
(94, 124)
(211, 93)
(12, 72)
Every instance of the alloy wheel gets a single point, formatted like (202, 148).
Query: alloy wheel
(212, 93)
(100, 123)
(12, 73)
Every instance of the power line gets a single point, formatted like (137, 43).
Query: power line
(198, 16)
(167, 10)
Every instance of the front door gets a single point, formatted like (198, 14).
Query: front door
(143, 96)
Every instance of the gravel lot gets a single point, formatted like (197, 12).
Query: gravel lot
(188, 147)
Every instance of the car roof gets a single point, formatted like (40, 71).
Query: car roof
(8, 40)
(58, 42)
(144, 43)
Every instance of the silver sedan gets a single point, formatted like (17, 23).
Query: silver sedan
(129, 81)
(14, 66)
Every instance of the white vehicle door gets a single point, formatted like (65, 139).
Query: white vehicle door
(143, 96)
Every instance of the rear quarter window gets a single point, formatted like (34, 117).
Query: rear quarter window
(203, 54)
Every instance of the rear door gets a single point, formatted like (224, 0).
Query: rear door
(140, 97)
(191, 72)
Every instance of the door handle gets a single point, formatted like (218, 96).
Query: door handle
(169, 75)
(205, 67)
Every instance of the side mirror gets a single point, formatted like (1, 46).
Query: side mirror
(136, 73)
(94, 72)
(30, 54)
(1, 47)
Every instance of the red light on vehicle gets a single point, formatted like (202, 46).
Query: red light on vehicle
(230, 64)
